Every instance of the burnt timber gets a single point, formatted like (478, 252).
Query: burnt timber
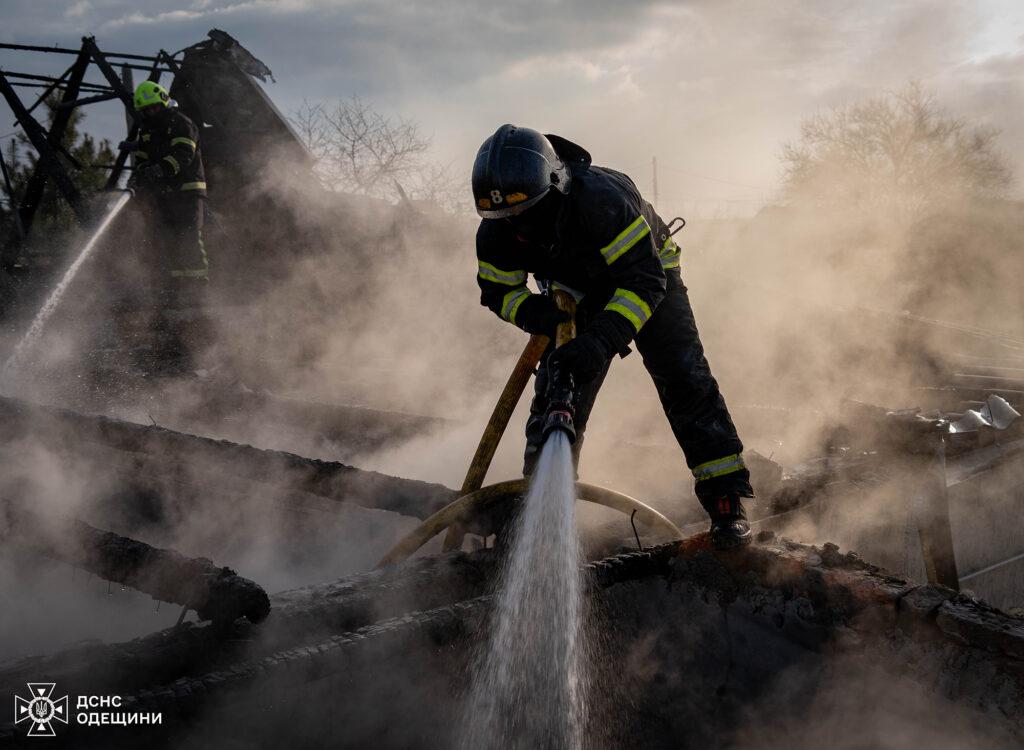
(780, 608)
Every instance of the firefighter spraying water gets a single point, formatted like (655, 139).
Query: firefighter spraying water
(586, 230)
(169, 181)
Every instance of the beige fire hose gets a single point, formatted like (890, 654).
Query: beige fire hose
(456, 515)
(468, 506)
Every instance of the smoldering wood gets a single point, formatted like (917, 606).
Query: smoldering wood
(810, 603)
(298, 615)
(175, 454)
(215, 593)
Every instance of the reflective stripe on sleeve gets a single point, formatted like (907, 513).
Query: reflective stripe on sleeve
(140, 154)
(626, 239)
(509, 278)
(631, 307)
(719, 467)
(669, 254)
(186, 141)
(512, 301)
(193, 186)
(174, 163)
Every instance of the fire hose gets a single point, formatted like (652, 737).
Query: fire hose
(475, 498)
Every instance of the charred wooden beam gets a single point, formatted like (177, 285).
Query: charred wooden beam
(302, 615)
(181, 454)
(69, 51)
(81, 102)
(97, 55)
(13, 203)
(765, 610)
(52, 83)
(51, 88)
(215, 593)
(49, 166)
(299, 616)
(931, 509)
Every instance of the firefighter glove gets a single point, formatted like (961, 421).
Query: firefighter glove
(539, 314)
(585, 356)
(146, 174)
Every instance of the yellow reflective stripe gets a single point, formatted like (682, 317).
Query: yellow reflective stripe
(510, 304)
(193, 186)
(719, 467)
(568, 290)
(631, 307)
(186, 141)
(626, 239)
(509, 278)
(669, 254)
(141, 154)
(174, 163)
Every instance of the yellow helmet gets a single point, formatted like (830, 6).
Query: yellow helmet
(148, 93)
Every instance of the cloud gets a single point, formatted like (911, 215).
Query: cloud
(78, 9)
(711, 88)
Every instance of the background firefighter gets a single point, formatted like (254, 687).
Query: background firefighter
(169, 180)
(585, 229)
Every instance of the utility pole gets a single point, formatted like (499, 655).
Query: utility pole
(654, 172)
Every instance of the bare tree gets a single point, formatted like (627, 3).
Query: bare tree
(358, 149)
(439, 185)
(897, 152)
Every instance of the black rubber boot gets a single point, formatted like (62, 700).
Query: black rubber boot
(729, 526)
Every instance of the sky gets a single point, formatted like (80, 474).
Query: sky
(712, 88)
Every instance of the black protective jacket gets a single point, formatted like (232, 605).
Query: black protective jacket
(610, 250)
(172, 140)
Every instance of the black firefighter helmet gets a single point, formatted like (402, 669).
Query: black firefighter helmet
(514, 169)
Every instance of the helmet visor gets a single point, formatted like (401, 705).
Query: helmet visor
(539, 222)
(504, 209)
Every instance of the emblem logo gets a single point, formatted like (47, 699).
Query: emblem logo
(41, 709)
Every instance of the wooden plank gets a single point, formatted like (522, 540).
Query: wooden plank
(931, 509)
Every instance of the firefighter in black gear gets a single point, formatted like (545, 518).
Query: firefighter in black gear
(169, 178)
(586, 230)
(169, 170)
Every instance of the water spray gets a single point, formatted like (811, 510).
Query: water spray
(529, 677)
(54, 300)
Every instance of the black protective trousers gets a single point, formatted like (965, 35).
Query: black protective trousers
(182, 216)
(183, 328)
(673, 355)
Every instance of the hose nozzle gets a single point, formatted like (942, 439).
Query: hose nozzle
(561, 410)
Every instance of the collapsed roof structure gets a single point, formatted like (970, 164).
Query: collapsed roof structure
(214, 82)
